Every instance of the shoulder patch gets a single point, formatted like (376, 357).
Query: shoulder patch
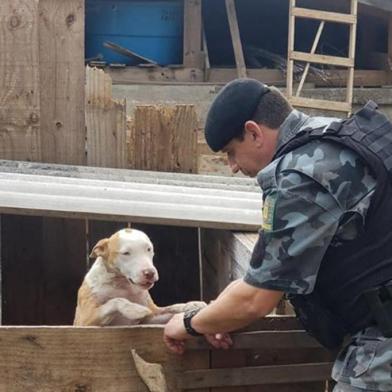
(269, 212)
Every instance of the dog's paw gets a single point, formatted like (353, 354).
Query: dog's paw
(133, 311)
(194, 305)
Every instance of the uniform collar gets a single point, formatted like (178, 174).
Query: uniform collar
(291, 125)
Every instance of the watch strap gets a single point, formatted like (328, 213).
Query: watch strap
(188, 315)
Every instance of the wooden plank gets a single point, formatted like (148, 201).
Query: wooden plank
(19, 81)
(255, 375)
(193, 56)
(164, 138)
(265, 340)
(334, 78)
(322, 59)
(351, 53)
(390, 43)
(105, 122)
(290, 49)
(62, 78)
(45, 359)
(320, 104)
(312, 51)
(334, 17)
(236, 38)
(155, 75)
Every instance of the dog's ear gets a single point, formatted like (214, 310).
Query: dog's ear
(100, 249)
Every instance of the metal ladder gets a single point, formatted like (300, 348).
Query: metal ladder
(312, 57)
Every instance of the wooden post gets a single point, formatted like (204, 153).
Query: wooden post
(105, 122)
(236, 38)
(193, 56)
(42, 119)
(164, 139)
(290, 49)
(61, 54)
(390, 42)
(19, 81)
(351, 54)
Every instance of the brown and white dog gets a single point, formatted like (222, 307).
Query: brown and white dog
(115, 290)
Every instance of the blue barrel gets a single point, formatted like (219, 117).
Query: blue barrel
(153, 29)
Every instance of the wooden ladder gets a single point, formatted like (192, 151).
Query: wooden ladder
(312, 57)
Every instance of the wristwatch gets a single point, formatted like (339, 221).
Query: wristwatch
(188, 315)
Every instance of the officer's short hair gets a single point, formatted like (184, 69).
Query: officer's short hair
(272, 110)
(239, 101)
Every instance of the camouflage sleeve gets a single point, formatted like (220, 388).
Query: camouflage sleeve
(300, 218)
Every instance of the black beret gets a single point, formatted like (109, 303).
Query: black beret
(235, 104)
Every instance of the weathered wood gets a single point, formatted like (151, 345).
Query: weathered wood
(45, 359)
(155, 75)
(164, 138)
(289, 339)
(290, 49)
(62, 77)
(322, 59)
(225, 257)
(19, 81)
(236, 38)
(334, 17)
(320, 104)
(390, 43)
(105, 122)
(193, 56)
(255, 375)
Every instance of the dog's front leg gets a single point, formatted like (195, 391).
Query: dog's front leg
(135, 313)
(163, 314)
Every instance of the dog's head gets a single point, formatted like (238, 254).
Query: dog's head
(129, 252)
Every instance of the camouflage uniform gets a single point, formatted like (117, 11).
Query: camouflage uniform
(317, 196)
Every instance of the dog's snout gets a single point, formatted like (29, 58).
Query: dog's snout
(149, 273)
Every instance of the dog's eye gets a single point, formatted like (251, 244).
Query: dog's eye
(127, 253)
(149, 249)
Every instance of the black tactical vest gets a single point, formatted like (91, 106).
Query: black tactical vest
(337, 305)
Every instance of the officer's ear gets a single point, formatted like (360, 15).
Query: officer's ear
(255, 132)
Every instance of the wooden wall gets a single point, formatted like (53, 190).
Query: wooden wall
(41, 119)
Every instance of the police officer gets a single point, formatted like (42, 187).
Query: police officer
(326, 238)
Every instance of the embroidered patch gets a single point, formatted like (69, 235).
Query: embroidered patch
(269, 212)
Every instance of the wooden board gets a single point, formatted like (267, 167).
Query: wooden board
(45, 359)
(164, 139)
(105, 122)
(236, 38)
(19, 81)
(193, 56)
(225, 257)
(62, 77)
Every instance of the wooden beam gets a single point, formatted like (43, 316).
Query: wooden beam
(390, 43)
(236, 38)
(164, 138)
(335, 17)
(290, 49)
(351, 53)
(105, 122)
(322, 59)
(19, 81)
(193, 55)
(312, 51)
(257, 375)
(62, 79)
(85, 359)
(320, 104)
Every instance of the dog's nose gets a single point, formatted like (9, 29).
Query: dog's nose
(149, 274)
